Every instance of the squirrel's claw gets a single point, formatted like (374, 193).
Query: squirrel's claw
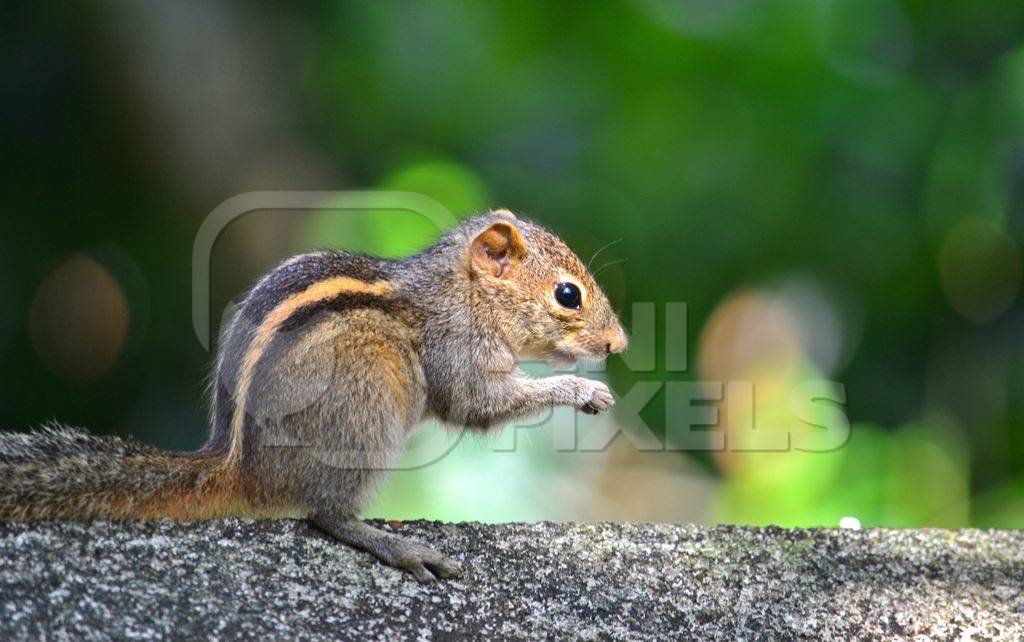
(426, 563)
(442, 567)
(596, 396)
(421, 573)
(446, 568)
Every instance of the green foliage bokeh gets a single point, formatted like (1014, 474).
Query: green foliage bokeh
(873, 148)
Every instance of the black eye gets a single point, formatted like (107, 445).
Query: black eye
(568, 295)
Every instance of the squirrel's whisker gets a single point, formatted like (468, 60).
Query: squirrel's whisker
(607, 265)
(601, 249)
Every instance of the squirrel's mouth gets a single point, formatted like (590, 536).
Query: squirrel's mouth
(561, 356)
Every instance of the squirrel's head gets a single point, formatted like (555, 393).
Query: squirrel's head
(536, 291)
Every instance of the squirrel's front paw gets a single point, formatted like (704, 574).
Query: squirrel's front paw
(592, 396)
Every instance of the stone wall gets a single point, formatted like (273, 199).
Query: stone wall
(235, 579)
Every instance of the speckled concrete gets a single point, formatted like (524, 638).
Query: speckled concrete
(236, 579)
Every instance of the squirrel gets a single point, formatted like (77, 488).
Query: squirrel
(329, 363)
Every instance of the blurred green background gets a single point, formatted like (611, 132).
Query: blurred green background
(835, 188)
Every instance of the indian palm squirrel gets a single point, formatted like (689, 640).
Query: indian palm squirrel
(330, 362)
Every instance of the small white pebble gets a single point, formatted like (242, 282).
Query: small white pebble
(850, 522)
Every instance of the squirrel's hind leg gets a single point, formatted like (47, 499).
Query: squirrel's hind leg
(421, 560)
(335, 401)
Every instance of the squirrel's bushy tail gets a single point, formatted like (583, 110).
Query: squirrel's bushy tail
(64, 473)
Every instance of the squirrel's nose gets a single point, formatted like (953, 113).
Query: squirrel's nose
(615, 340)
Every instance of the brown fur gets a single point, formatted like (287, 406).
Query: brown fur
(63, 473)
(318, 291)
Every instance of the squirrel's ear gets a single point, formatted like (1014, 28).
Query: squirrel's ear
(497, 248)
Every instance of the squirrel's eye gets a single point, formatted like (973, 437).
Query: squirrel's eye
(568, 295)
